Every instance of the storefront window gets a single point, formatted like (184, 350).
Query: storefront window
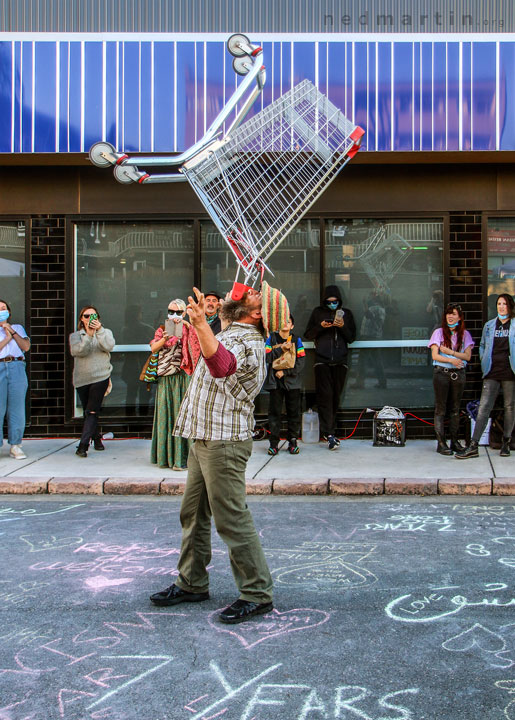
(130, 272)
(12, 267)
(501, 260)
(390, 273)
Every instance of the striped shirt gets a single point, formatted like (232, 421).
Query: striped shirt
(223, 408)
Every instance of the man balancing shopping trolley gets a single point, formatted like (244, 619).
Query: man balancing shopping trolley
(256, 181)
(217, 414)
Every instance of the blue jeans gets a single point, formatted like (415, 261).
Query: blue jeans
(13, 388)
(488, 395)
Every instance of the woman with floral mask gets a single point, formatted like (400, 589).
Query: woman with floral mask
(179, 350)
(14, 342)
(451, 348)
(497, 354)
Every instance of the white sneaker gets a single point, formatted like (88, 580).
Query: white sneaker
(17, 453)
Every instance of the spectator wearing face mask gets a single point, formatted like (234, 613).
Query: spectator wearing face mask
(213, 303)
(13, 379)
(332, 328)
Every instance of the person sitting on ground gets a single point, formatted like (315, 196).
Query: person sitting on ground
(285, 357)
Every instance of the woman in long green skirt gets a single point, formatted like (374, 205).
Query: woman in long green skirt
(178, 356)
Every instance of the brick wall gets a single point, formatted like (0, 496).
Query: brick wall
(465, 286)
(47, 327)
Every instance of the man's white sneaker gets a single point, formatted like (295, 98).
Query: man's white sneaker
(17, 453)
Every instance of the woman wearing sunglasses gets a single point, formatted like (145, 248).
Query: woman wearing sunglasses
(451, 348)
(497, 354)
(179, 351)
(91, 346)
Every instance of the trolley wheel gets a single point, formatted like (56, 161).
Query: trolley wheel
(233, 44)
(126, 174)
(241, 65)
(95, 153)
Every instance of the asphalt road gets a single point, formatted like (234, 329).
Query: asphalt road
(385, 609)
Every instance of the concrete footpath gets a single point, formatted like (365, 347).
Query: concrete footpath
(355, 468)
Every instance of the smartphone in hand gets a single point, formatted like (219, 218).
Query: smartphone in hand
(92, 317)
(338, 315)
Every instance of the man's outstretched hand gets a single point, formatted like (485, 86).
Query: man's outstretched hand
(197, 309)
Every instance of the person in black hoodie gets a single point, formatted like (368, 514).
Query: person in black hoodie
(332, 334)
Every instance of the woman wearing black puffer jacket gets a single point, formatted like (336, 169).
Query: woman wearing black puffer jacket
(332, 333)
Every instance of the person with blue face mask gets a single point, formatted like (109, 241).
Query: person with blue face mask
(14, 342)
(497, 355)
(451, 349)
(332, 327)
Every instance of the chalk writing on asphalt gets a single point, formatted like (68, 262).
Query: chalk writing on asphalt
(442, 602)
(301, 701)
(323, 566)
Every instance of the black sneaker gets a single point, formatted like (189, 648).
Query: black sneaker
(472, 451)
(97, 443)
(273, 451)
(325, 438)
(293, 448)
(174, 595)
(242, 610)
(332, 442)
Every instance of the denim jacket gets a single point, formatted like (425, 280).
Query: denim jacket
(487, 343)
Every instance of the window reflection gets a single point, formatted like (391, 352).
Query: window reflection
(390, 273)
(130, 271)
(501, 260)
(12, 267)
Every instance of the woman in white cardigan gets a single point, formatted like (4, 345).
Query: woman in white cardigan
(91, 346)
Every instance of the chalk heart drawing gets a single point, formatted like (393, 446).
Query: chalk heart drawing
(272, 625)
(476, 636)
(100, 582)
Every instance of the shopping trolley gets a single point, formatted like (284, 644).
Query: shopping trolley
(258, 179)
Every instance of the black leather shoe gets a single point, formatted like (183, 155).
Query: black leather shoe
(457, 446)
(505, 447)
(97, 443)
(82, 450)
(472, 451)
(174, 595)
(242, 610)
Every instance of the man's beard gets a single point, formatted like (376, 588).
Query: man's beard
(235, 310)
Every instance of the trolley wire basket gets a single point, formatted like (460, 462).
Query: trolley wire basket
(259, 179)
(257, 183)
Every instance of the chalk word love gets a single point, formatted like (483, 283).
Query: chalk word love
(300, 701)
(443, 602)
(272, 625)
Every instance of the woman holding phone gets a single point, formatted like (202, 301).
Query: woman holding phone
(179, 351)
(91, 347)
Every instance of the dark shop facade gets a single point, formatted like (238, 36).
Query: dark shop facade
(424, 214)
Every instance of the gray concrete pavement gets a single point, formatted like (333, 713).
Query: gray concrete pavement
(354, 459)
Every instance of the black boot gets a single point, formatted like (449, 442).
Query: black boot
(97, 442)
(442, 446)
(505, 447)
(456, 446)
(82, 449)
(471, 451)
